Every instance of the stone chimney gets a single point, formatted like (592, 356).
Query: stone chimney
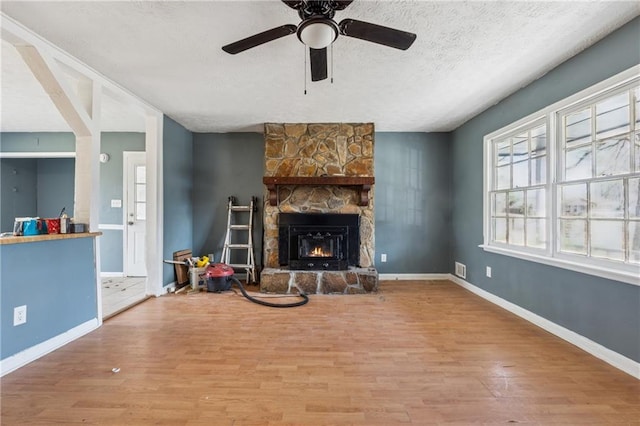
(318, 149)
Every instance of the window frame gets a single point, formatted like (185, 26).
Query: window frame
(555, 156)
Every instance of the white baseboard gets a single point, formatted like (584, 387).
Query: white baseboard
(404, 277)
(111, 274)
(613, 358)
(23, 358)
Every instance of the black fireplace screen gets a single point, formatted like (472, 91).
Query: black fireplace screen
(319, 241)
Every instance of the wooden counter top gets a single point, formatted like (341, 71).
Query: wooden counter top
(46, 237)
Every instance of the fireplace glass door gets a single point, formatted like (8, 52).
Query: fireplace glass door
(318, 247)
(311, 246)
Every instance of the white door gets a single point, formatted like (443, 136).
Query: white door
(135, 178)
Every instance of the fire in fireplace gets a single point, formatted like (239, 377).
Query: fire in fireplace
(319, 241)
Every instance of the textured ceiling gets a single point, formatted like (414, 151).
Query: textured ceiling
(467, 57)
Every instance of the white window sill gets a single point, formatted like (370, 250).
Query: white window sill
(629, 277)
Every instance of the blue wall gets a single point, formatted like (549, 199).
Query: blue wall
(111, 188)
(413, 202)
(37, 142)
(18, 186)
(225, 164)
(177, 188)
(53, 187)
(35, 187)
(604, 311)
(411, 169)
(56, 186)
(60, 293)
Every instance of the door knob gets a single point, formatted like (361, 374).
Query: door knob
(130, 222)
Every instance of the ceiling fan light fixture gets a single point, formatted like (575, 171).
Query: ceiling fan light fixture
(318, 33)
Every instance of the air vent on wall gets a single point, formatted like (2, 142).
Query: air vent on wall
(461, 270)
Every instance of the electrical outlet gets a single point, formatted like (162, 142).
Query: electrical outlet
(489, 271)
(383, 257)
(19, 315)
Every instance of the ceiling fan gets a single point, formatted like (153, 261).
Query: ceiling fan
(318, 30)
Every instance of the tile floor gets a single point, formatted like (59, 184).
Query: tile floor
(120, 293)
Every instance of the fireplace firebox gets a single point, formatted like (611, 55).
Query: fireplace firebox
(318, 241)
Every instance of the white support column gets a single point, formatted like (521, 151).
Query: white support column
(83, 179)
(155, 218)
(87, 177)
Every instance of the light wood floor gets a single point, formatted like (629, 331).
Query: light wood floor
(414, 353)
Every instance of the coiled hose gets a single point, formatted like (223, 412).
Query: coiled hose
(304, 300)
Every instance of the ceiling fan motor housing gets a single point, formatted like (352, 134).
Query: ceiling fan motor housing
(310, 8)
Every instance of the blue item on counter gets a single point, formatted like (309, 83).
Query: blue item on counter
(31, 227)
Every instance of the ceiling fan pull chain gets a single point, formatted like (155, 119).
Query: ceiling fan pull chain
(331, 47)
(305, 70)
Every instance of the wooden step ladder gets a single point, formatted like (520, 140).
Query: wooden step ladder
(231, 243)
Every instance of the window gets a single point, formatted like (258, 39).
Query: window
(563, 186)
(518, 195)
(140, 195)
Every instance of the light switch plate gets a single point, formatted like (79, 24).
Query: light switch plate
(116, 204)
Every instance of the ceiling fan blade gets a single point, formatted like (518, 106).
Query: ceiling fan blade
(377, 34)
(258, 39)
(318, 58)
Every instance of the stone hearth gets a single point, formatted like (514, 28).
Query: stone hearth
(353, 281)
(321, 150)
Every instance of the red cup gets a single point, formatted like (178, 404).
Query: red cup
(53, 226)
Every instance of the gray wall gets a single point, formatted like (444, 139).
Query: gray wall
(177, 187)
(225, 164)
(111, 188)
(604, 311)
(413, 202)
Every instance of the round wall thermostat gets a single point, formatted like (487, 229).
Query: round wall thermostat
(104, 157)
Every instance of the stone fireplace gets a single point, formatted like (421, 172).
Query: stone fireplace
(313, 170)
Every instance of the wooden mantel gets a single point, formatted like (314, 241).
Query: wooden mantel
(361, 183)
